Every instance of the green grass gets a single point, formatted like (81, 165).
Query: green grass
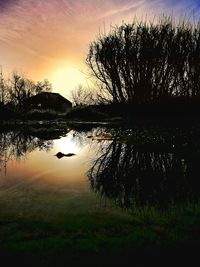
(41, 229)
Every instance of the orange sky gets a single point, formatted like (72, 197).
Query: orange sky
(49, 38)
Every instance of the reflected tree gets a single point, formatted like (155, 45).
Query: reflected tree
(16, 145)
(136, 178)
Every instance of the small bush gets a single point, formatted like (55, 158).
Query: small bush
(86, 113)
(7, 113)
(36, 114)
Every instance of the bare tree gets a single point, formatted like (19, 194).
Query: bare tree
(2, 86)
(21, 88)
(82, 96)
(43, 86)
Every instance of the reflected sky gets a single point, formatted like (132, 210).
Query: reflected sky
(39, 184)
(41, 165)
(132, 168)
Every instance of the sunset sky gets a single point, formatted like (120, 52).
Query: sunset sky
(50, 38)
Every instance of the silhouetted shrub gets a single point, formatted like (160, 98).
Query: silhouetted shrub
(86, 113)
(41, 114)
(147, 62)
(7, 113)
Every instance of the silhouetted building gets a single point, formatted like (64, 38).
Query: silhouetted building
(46, 100)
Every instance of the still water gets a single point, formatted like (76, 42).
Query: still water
(98, 168)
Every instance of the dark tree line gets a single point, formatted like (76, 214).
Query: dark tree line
(17, 88)
(147, 62)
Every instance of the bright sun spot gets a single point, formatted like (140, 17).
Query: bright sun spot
(66, 145)
(66, 79)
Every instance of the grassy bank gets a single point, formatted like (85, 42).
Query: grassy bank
(77, 236)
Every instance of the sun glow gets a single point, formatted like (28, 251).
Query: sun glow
(66, 145)
(67, 78)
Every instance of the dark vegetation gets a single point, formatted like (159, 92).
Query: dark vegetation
(88, 113)
(15, 91)
(36, 114)
(100, 239)
(148, 62)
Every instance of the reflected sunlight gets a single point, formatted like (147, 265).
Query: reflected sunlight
(66, 145)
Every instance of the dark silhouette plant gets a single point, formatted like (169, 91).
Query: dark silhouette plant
(146, 62)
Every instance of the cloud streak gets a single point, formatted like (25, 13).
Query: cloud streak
(42, 35)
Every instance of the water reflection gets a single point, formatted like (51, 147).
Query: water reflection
(138, 177)
(129, 174)
(15, 145)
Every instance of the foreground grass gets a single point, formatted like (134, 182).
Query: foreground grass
(83, 235)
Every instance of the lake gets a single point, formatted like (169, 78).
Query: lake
(34, 180)
(126, 168)
(68, 191)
